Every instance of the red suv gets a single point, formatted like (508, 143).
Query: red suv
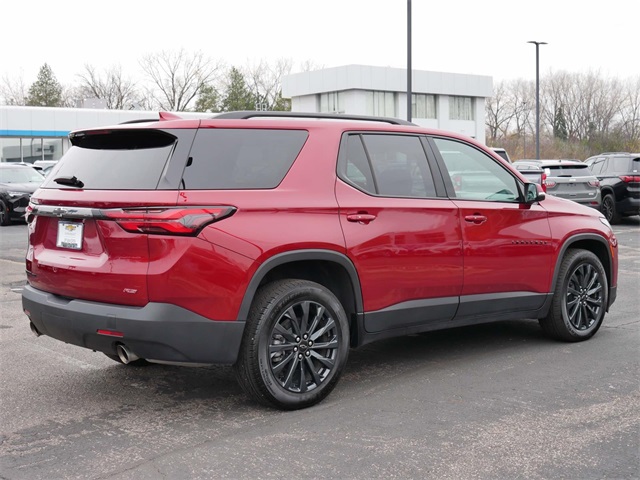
(276, 242)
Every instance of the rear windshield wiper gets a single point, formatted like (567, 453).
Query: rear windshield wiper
(69, 181)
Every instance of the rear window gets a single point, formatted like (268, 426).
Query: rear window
(115, 160)
(568, 171)
(623, 164)
(228, 159)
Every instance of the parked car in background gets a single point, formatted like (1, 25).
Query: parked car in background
(619, 176)
(17, 183)
(276, 241)
(570, 179)
(533, 172)
(502, 152)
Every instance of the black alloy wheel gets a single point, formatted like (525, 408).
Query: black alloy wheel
(295, 344)
(303, 347)
(580, 298)
(584, 299)
(608, 209)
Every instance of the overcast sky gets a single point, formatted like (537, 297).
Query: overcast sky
(486, 37)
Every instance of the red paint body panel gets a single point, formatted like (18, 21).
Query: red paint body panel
(514, 238)
(412, 250)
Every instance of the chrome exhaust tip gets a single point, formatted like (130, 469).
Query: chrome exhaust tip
(125, 355)
(34, 329)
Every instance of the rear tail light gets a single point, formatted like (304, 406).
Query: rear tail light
(544, 182)
(549, 183)
(167, 221)
(630, 178)
(594, 183)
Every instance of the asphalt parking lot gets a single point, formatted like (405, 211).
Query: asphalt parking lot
(495, 401)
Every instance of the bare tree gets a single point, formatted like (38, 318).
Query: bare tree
(178, 77)
(630, 113)
(110, 86)
(14, 91)
(499, 112)
(265, 81)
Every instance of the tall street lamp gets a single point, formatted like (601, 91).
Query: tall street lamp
(409, 94)
(537, 44)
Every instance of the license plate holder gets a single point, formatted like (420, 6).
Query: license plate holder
(70, 235)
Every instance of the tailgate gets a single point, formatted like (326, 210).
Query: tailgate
(75, 250)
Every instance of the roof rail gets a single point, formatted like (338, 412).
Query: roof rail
(615, 153)
(245, 114)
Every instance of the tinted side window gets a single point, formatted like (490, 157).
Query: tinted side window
(596, 165)
(227, 159)
(620, 165)
(399, 165)
(475, 175)
(358, 170)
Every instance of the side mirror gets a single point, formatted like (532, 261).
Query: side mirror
(533, 193)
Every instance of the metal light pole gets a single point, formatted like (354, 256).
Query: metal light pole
(537, 44)
(409, 60)
(524, 131)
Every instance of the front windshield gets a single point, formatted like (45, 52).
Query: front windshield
(20, 175)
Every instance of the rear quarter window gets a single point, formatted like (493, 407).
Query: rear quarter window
(228, 159)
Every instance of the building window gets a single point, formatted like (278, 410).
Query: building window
(10, 150)
(461, 108)
(30, 149)
(332, 102)
(423, 106)
(381, 104)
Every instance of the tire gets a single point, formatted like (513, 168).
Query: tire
(609, 209)
(141, 362)
(5, 216)
(580, 298)
(295, 345)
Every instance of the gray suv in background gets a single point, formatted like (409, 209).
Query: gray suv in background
(570, 179)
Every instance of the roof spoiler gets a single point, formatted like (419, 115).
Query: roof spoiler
(162, 116)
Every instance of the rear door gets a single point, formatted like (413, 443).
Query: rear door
(402, 235)
(85, 235)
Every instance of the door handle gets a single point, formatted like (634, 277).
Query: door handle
(361, 218)
(476, 219)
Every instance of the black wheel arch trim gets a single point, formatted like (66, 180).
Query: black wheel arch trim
(608, 268)
(296, 256)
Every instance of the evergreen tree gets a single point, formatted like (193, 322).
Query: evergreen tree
(237, 96)
(208, 99)
(560, 124)
(46, 91)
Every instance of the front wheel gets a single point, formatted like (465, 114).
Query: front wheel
(580, 298)
(295, 345)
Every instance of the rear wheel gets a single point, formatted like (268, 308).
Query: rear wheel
(609, 209)
(5, 218)
(295, 345)
(579, 300)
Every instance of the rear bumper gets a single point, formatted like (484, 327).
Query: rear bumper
(157, 331)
